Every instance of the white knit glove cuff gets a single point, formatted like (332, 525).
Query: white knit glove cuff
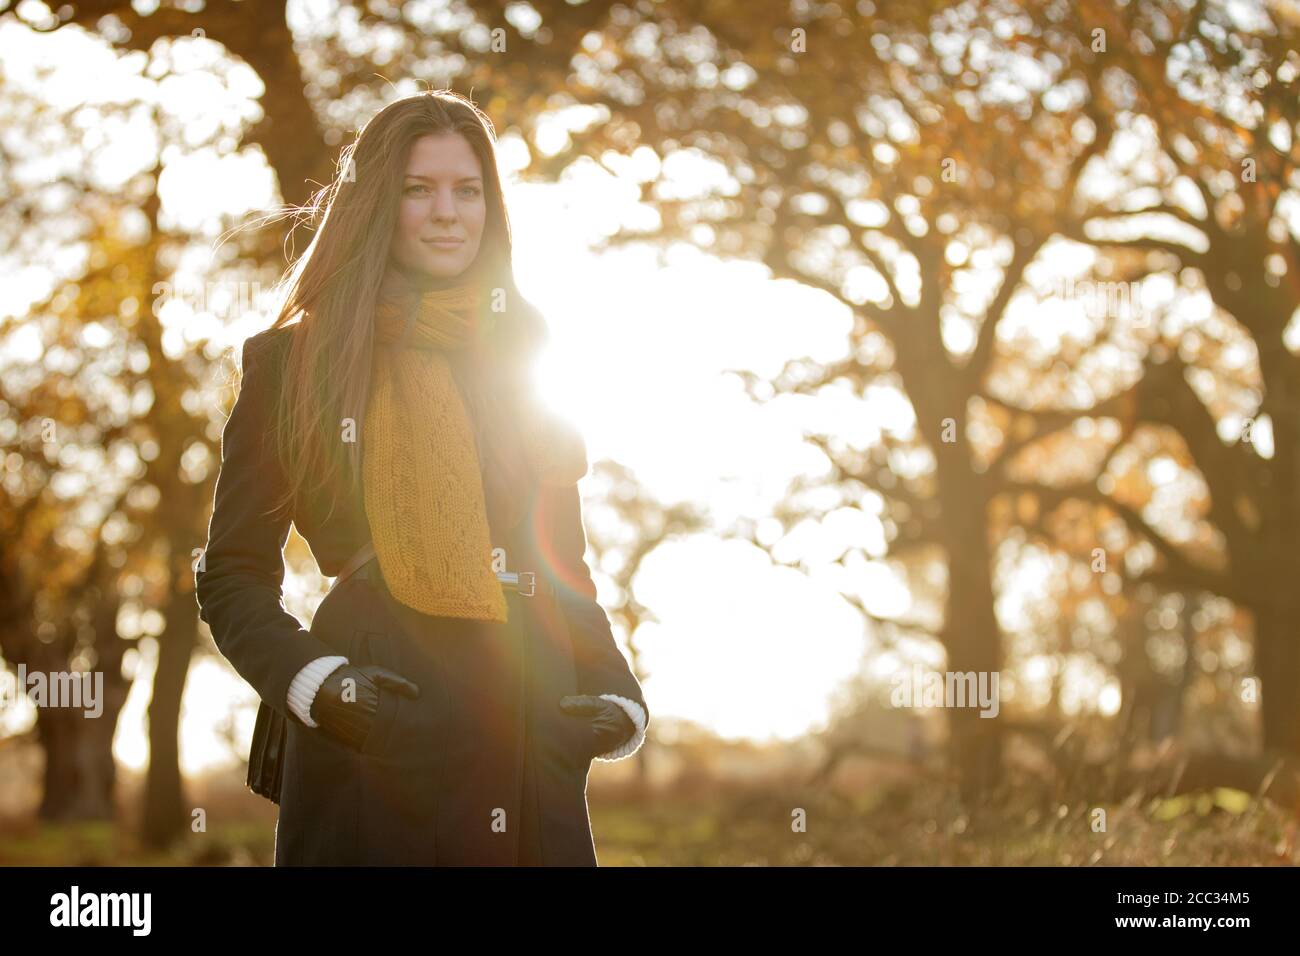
(637, 714)
(305, 684)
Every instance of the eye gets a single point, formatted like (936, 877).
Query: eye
(470, 191)
(409, 189)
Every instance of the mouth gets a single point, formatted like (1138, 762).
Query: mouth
(443, 242)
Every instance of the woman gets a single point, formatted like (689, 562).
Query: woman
(437, 712)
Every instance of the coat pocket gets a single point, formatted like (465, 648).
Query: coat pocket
(580, 740)
(372, 647)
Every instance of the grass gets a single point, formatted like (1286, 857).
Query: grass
(728, 825)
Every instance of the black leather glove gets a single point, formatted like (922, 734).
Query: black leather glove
(609, 723)
(347, 700)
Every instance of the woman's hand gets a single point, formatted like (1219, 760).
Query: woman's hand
(346, 703)
(610, 724)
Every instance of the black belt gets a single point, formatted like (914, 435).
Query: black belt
(527, 583)
(524, 583)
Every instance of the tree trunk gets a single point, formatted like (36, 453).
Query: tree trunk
(80, 774)
(165, 814)
(1277, 610)
(971, 635)
(1277, 663)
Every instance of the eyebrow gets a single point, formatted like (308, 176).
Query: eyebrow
(429, 179)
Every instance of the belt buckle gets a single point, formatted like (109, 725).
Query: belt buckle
(527, 583)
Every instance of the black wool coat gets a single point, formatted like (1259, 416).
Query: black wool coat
(482, 768)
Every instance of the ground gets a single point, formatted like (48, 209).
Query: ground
(701, 823)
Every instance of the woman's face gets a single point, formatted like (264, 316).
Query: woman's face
(441, 199)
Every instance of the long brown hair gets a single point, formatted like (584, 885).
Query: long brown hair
(335, 285)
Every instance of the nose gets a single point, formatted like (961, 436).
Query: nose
(444, 206)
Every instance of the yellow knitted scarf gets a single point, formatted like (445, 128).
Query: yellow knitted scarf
(422, 485)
